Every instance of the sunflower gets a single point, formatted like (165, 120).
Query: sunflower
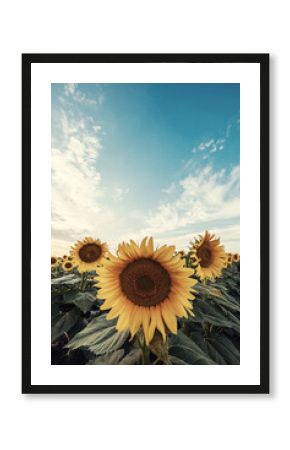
(146, 288)
(59, 261)
(211, 256)
(65, 257)
(236, 257)
(194, 260)
(88, 254)
(67, 266)
(53, 262)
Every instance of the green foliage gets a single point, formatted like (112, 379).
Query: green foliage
(81, 334)
(99, 337)
(83, 300)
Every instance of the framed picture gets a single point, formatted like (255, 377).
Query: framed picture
(146, 181)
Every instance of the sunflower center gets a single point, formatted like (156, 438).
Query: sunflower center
(90, 252)
(145, 286)
(68, 265)
(145, 282)
(205, 255)
(53, 260)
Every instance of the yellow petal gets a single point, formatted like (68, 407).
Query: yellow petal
(150, 247)
(177, 308)
(169, 317)
(135, 320)
(145, 324)
(103, 293)
(164, 254)
(113, 314)
(143, 245)
(152, 326)
(136, 248)
(159, 322)
(109, 303)
(124, 319)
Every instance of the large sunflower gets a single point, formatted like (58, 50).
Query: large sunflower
(211, 256)
(54, 262)
(146, 288)
(88, 254)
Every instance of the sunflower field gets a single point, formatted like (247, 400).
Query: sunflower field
(146, 305)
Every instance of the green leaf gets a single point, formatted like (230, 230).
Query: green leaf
(187, 350)
(117, 357)
(206, 312)
(227, 349)
(214, 354)
(66, 280)
(218, 294)
(174, 360)
(108, 359)
(63, 322)
(99, 336)
(132, 358)
(83, 300)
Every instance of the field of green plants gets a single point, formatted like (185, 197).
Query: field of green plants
(82, 334)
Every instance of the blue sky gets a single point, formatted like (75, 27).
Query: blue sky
(130, 160)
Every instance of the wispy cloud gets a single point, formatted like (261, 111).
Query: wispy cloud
(206, 199)
(78, 207)
(210, 146)
(88, 200)
(206, 196)
(213, 145)
(73, 92)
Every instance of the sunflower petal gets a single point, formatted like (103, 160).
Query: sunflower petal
(168, 317)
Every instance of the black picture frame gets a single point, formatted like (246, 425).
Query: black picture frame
(27, 61)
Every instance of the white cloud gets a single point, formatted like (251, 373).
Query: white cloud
(82, 203)
(206, 197)
(228, 130)
(73, 91)
(212, 145)
(208, 200)
(78, 208)
(69, 88)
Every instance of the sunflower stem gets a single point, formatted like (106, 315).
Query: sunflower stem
(146, 355)
(144, 349)
(83, 281)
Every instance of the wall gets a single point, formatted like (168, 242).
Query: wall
(206, 422)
